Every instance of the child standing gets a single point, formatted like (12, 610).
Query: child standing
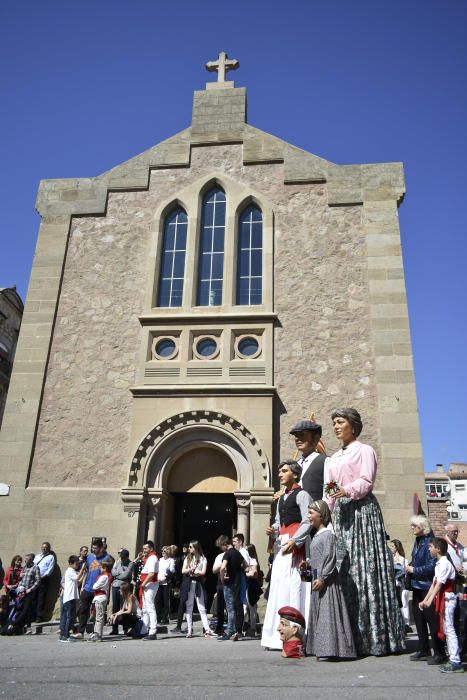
(442, 591)
(69, 597)
(101, 593)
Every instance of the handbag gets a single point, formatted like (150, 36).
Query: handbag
(408, 582)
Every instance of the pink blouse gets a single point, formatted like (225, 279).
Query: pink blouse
(354, 469)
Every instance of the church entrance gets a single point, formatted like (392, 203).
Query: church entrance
(204, 517)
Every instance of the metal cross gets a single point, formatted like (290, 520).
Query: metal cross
(222, 65)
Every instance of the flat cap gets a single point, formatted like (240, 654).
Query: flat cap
(306, 425)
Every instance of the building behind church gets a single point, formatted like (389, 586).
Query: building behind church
(11, 312)
(185, 309)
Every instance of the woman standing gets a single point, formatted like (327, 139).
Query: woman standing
(195, 566)
(422, 571)
(363, 559)
(253, 589)
(400, 562)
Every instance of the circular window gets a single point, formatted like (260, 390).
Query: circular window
(165, 349)
(206, 347)
(247, 347)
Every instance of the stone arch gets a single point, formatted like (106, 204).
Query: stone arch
(160, 448)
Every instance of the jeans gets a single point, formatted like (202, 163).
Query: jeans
(85, 601)
(67, 616)
(234, 608)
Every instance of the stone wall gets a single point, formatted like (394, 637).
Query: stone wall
(323, 349)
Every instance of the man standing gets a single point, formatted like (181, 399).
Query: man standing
(93, 571)
(45, 560)
(307, 435)
(148, 589)
(231, 571)
(455, 550)
(291, 529)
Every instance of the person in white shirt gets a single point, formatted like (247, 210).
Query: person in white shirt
(166, 571)
(148, 589)
(101, 590)
(45, 560)
(443, 590)
(456, 550)
(70, 595)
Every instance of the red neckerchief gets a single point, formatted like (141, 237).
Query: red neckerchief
(143, 577)
(454, 545)
(440, 602)
(293, 649)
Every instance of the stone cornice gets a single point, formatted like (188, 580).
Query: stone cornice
(173, 316)
(169, 390)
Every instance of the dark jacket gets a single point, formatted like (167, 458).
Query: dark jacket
(423, 564)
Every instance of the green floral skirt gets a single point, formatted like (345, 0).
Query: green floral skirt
(367, 578)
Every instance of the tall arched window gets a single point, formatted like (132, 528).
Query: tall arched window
(173, 259)
(250, 257)
(211, 249)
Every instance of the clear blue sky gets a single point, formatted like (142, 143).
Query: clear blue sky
(87, 85)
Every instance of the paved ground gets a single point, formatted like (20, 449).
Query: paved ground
(39, 667)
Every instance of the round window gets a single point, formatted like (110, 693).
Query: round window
(206, 347)
(166, 348)
(248, 347)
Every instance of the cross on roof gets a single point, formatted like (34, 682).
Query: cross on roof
(222, 65)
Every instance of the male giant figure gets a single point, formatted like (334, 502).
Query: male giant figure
(307, 435)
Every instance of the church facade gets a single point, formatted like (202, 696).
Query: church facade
(185, 309)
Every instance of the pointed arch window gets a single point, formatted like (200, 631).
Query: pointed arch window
(172, 272)
(250, 257)
(211, 249)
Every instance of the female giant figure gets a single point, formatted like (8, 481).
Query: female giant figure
(363, 558)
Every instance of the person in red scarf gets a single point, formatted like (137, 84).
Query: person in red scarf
(442, 591)
(148, 589)
(291, 529)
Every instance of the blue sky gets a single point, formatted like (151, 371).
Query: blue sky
(87, 85)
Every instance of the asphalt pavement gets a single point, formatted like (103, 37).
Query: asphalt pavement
(39, 667)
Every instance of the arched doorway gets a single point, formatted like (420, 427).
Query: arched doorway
(200, 454)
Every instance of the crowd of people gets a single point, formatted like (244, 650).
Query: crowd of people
(337, 589)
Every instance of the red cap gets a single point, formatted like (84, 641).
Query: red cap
(292, 614)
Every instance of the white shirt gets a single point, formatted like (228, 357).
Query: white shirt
(101, 587)
(218, 562)
(444, 570)
(45, 563)
(456, 556)
(165, 566)
(305, 464)
(244, 552)
(70, 585)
